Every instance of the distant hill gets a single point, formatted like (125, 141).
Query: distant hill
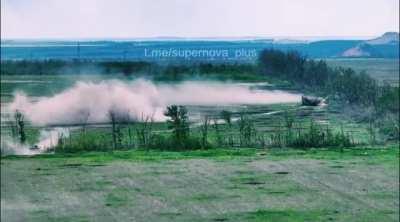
(361, 50)
(387, 38)
(385, 46)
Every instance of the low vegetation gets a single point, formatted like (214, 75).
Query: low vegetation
(221, 131)
(341, 86)
(354, 94)
(315, 170)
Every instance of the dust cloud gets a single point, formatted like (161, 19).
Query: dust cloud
(92, 102)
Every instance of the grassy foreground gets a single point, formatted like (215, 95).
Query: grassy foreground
(210, 185)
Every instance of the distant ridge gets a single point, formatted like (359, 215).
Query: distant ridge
(361, 50)
(387, 38)
(386, 45)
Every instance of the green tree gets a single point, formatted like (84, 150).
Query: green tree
(20, 126)
(178, 122)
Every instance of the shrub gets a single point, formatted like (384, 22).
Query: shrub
(247, 130)
(80, 142)
(315, 136)
(178, 122)
(19, 126)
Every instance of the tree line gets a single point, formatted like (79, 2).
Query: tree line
(374, 101)
(378, 103)
(156, 71)
(219, 131)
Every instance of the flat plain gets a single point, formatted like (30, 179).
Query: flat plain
(215, 185)
(360, 184)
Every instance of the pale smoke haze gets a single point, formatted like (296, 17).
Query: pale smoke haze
(47, 139)
(92, 102)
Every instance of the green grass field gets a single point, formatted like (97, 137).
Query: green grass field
(38, 86)
(382, 69)
(220, 184)
(216, 185)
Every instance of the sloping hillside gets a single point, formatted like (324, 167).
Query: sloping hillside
(385, 46)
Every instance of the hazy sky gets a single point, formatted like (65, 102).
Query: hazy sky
(196, 18)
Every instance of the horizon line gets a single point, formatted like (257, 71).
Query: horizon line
(277, 37)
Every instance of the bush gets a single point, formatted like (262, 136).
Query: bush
(84, 142)
(178, 122)
(163, 142)
(315, 136)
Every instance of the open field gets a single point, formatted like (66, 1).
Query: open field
(267, 118)
(382, 69)
(219, 184)
(44, 85)
(187, 111)
(216, 185)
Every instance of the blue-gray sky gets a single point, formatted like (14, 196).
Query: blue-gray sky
(196, 18)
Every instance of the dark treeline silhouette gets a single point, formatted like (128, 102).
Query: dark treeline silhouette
(357, 94)
(162, 72)
(52, 67)
(29, 67)
(340, 84)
